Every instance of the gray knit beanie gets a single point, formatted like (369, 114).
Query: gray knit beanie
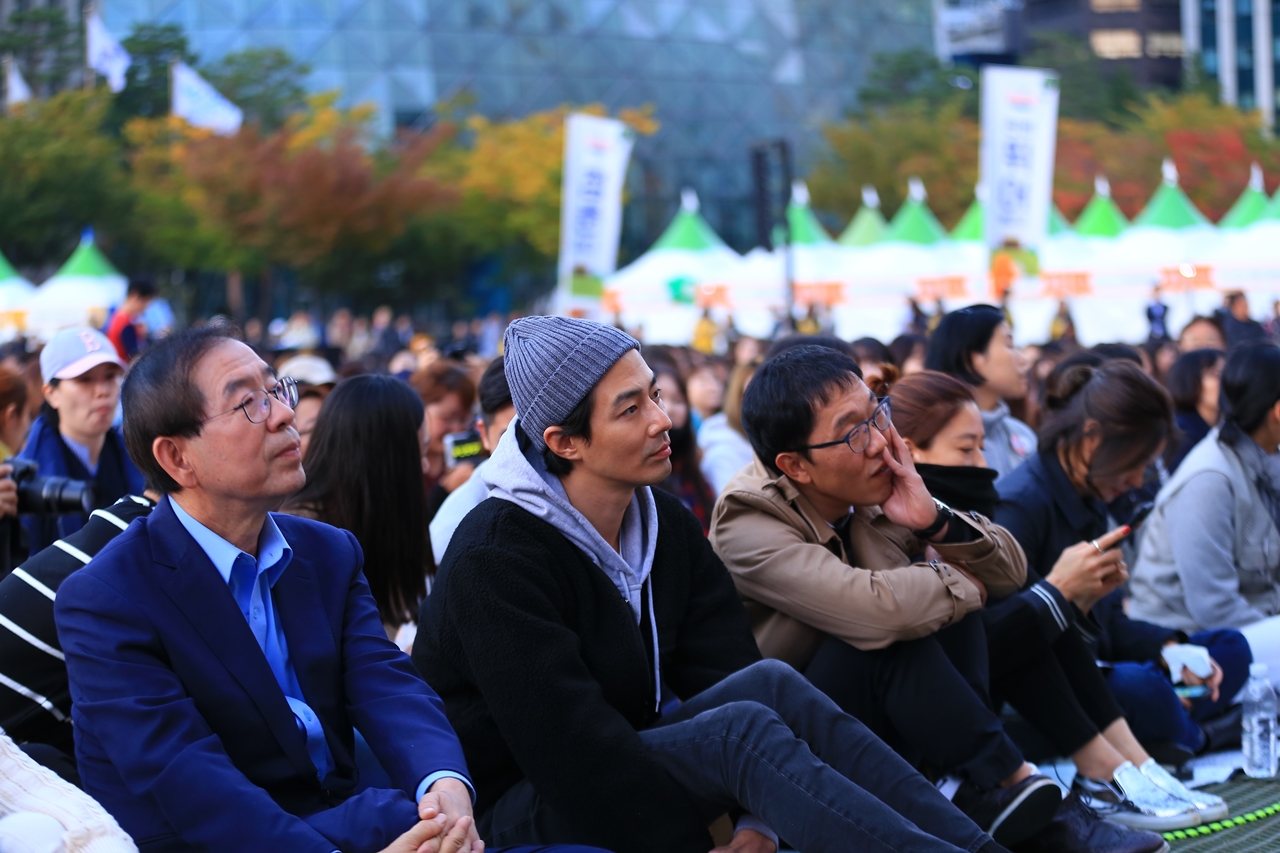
(552, 363)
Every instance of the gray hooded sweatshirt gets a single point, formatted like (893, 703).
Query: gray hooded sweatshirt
(1009, 441)
(516, 473)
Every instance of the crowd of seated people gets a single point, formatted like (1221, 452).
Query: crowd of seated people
(826, 597)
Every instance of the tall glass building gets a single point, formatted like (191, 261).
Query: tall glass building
(722, 74)
(1236, 42)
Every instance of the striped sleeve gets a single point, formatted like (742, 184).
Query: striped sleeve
(35, 703)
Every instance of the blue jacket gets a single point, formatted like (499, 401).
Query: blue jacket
(117, 476)
(182, 732)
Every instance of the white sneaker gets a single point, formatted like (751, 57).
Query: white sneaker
(1210, 806)
(1133, 800)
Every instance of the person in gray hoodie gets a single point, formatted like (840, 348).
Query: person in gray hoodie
(576, 592)
(975, 344)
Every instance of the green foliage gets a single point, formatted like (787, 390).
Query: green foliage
(264, 82)
(146, 94)
(1087, 91)
(61, 173)
(45, 45)
(887, 148)
(916, 76)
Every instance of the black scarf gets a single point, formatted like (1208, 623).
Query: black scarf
(964, 488)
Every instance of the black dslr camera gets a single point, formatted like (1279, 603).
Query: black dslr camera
(48, 495)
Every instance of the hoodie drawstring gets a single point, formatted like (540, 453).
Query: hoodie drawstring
(657, 670)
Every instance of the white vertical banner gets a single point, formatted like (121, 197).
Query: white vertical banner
(16, 90)
(1019, 136)
(103, 53)
(195, 100)
(596, 153)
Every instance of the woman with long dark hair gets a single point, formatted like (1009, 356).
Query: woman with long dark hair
(686, 480)
(364, 474)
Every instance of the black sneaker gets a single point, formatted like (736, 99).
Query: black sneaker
(1012, 814)
(1079, 829)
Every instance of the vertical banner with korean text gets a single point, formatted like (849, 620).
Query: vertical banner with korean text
(596, 153)
(1019, 135)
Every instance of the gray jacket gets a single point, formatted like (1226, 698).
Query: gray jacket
(1210, 554)
(1009, 441)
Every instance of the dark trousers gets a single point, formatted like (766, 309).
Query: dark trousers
(1154, 711)
(928, 698)
(1060, 692)
(765, 741)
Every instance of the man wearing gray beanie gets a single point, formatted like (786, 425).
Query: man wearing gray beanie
(570, 598)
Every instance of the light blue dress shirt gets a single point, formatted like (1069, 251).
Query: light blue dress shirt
(251, 581)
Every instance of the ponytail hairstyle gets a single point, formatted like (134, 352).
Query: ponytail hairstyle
(1250, 389)
(1130, 411)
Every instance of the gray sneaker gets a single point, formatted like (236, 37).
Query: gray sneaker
(1133, 800)
(1210, 806)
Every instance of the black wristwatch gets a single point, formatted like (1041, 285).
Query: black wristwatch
(945, 514)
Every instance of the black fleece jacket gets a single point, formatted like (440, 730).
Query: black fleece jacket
(546, 675)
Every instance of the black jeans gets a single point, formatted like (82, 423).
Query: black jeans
(765, 741)
(928, 698)
(1061, 692)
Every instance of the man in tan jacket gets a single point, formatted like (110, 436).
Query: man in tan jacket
(856, 576)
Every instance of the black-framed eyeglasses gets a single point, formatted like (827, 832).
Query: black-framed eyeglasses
(860, 436)
(257, 406)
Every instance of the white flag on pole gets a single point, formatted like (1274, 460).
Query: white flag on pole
(1019, 134)
(16, 90)
(103, 53)
(195, 100)
(596, 153)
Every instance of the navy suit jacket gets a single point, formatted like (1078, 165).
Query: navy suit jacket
(182, 732)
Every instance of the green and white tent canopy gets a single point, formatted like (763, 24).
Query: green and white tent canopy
(689, 253)
(914, 222)
(868, 225)
(14, 289)
(1058, 223)
(79, 294)
(1169, 206)
(972, 226)
(806, 230)
(1101, 217)
(1252, 204)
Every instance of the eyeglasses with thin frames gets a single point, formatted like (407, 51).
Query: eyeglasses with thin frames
(257, 406)
(859, 437)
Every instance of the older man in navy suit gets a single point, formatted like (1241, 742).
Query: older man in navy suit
(220, 655)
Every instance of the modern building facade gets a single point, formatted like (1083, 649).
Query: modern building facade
(1143, 36)
(1235, 41)
(721, 74)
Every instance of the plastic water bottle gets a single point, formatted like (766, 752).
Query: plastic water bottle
(1259, 731)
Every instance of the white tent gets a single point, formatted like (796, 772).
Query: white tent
(81, 293)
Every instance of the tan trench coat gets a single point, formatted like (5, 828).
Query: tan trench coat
(799, 583)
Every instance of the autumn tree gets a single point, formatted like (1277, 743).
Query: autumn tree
(509, 174)
(60, 173)
(887, 148)
(312, 196)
